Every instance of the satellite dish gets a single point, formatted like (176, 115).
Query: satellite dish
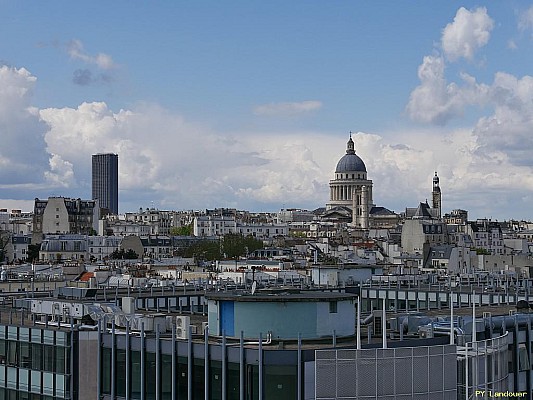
(254, 286)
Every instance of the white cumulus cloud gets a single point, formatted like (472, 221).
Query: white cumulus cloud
(469, 31)
(61, 173)
(437, 101)
(22, 151)
(487, 164)
(181, 164)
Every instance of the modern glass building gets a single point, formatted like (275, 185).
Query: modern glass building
(40, 363)
(105, 180)
(144, 347)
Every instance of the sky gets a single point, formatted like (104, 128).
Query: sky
(249, 104)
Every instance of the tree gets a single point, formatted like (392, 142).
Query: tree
(185, 230)
(124, 255)
(252, 244)
(232, 245)
(236, 245)
(131, 255)
(481, 251)
(33, 252)
(204, 250)
(5, 237)
(298, 234)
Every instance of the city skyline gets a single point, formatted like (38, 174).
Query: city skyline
(250, 106)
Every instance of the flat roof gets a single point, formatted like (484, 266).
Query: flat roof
(281, 297)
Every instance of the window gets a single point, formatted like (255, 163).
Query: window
(182, 378)
(135, 374)
(12, 353)
(60, 359)
(523, 359)
(2, 351)
(332, 307)
(36, 356)
(105, 372)
(281, 381)
(25, 356)
(120, 378)
(48, 358)
(150, 378)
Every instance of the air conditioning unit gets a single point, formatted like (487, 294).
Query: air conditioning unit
(487, 314)
(182, 333)
(425, 332)
(182, 326)
(128, 305)
(182, 321)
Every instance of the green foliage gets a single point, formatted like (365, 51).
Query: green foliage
(230, 246)
(480, 251)
(124, 255)
(4, 241)
(33, 252)
(204, 250)
(185, 230)
(236, 245)
(298, 234)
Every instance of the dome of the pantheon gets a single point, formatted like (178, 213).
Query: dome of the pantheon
(350, 162)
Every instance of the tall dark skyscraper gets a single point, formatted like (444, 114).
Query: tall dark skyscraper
(105, 181)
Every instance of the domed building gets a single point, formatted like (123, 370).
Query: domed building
(351, 190)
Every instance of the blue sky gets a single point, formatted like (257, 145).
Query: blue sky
(249, 104)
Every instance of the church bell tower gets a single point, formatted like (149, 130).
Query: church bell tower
(437, 196)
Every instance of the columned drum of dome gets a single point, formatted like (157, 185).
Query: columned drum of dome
(351, 188)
